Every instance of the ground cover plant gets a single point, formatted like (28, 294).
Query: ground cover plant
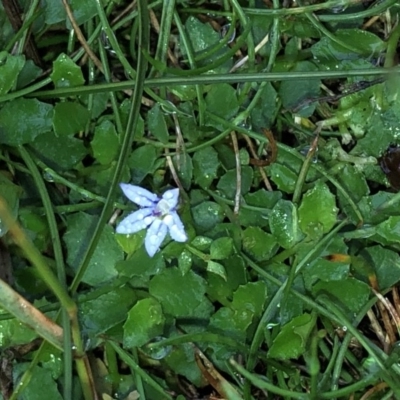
(199, 199)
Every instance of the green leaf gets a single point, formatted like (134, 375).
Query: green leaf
(29, 73)
(66, 73)
(300, 28)
(221, 248)
(52, 360)
(355, 184)
(185, 261)
(216, 268)
(145, 322)
(292, 95)
(202, 243)
(14, 333)
(222, 100)
(104, 312)
(178, 294)
(39, 378)
(226, 156)
(264, 113)
(54, 12)
(182, 361)
(11, 194)
(253, 217)
(35, 225)
(283, 177)
(205, 166)
(157, 124)
(83, 11)
(203, 39)
(260, 27)
(388, 231)
(366, 43)
(142, 162)
(231, 323)
(264, 200)
(318, 211)
(251, 296)
(130, 243)
(124, 110)
(259, 244)
(292, 338)
(102, 264)
(248, 303)
(227, 183)
(184, 92)
(69, 118)
(10, 68)
(59, 153)
(284, 224)
(350, 293)
(324, 270)
(105, 144)
(140, 265)
(221, 289)
(386, 264)
(206, 216)
(202, 36)
(184, 168)
(22, 120)
(380, 132)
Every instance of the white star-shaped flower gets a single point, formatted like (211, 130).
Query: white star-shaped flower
(158, 215)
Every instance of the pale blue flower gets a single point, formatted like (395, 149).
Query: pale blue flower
(158, 215)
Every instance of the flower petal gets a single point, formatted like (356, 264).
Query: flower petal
(155, 236)
(136, 221)
(138, 195)
(171, 197)
(175, 227)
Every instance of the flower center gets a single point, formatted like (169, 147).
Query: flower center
(162, 208)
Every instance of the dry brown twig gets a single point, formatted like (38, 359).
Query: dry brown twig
(81, 37)
(129, 8)
(377, 328)
(154, 22)
(244, 60)
(386, 308)
(260, 168)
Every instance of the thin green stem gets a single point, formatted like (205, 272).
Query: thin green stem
(197, 253)
(28, 21)
(281, 297)
(27, 376)
(203, 79)
(190, 54)
(317, 24)
(127, 140)
(391, 51)
(113, 98)
(27, 314)
(200, 337)
(36, 258)
(290, 394)
(167, 15)
(331, 307)
(210, 66)
(293, 152)
(53, 176)
(128, 359)
(59, 259)
(249, 38)
(374, 10)
(303, 173)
